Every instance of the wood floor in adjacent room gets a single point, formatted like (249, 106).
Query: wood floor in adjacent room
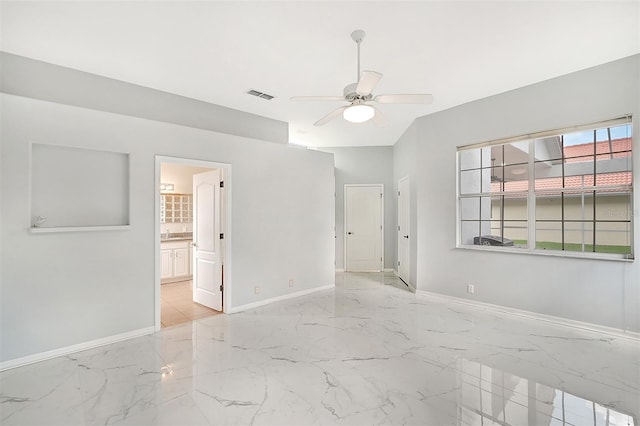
(177, 305)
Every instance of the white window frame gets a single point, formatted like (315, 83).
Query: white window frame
(532, 196)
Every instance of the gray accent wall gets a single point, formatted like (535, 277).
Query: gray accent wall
(41, 80)
(366, 165)
(602, 292)
(69, 288)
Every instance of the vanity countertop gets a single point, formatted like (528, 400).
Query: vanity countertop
(186, 236)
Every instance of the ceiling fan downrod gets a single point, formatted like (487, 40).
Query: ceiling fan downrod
(358, 36)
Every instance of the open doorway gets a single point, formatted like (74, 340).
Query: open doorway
(192, 207)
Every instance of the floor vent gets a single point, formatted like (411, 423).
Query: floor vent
(260, 94)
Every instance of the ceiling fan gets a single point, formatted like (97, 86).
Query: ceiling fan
(360, 97)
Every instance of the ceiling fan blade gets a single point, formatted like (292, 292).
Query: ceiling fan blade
(378, 119)
(368, 81)
(333, 114)
(317, 98)
(404, 99)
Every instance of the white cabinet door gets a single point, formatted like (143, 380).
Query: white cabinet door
(181, 262)
(166, 262)
(175, 260)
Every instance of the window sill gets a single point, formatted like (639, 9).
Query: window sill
(552, 253)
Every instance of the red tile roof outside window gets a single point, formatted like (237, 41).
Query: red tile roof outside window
(620, 148)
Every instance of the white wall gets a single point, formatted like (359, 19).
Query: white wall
(595, 291)
(371, 165)
(41, 80)
(64, 289)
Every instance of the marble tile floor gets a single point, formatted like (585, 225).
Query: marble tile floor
(177, 305)
(367, 352)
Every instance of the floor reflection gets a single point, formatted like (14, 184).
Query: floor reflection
(489, 396)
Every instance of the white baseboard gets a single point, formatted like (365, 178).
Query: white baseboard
(339, 269)
(615, 332)
(390, 270)
(43, 356)
(241, 308)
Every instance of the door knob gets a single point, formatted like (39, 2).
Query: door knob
(349, 233)
(194, 245)
(406, 236)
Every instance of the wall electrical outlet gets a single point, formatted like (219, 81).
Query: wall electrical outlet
(471, 288)
(257, 290)
(290, 283)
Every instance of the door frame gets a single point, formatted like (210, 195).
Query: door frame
(408, 213)
(225, 228)
(344, 220)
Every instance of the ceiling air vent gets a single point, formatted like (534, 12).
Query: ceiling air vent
(260, 94)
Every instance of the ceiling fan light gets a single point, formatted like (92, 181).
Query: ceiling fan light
(358, 113)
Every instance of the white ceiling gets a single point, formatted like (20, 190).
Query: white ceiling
(215, 51)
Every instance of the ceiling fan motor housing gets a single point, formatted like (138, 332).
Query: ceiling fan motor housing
(351, 95)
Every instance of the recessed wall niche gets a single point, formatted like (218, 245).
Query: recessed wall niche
(78, 188)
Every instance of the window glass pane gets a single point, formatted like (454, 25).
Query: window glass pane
(613, 179)
(576, 184)
(546, 184)
(470, 208)
(548, 235)
(548, 168)
(510, 153)
(470, 181)
(486, 185)
(486, 208)
(578, 236)
(497, 176)
(496, 186)
(613, 206)
(613, 237)
(469, 159)
(581, 139)
(579, 152)
(578, 167)
(548, 207)
(485, 230)
(469, 230)
(516, 178)
(475, 208)
(518, 232)
(584, 162)
(578, 206)
(614, 163)
(515, 207)
(549, 148)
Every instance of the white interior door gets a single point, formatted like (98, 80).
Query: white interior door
(207, 261)
(403, 229)
(363, 228)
